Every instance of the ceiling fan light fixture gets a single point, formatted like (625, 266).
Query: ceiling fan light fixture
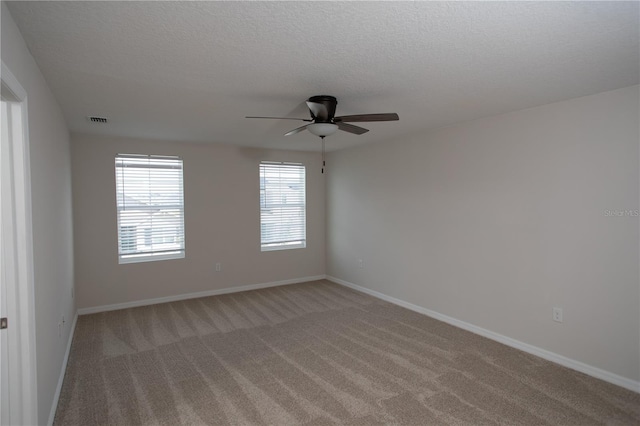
(322, 129)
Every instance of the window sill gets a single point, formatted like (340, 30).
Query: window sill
(150, 257)
(283, 247)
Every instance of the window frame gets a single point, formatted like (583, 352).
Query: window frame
(145, 230)
(283, 245)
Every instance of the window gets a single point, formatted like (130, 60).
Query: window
(128, 239)
(282, 206)
(149, 196)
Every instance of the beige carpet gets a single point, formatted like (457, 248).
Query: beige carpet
(314, 354)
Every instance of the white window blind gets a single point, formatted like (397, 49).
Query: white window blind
(282, 206)
(150, 204)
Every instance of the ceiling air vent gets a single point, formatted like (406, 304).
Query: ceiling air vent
(94, 119)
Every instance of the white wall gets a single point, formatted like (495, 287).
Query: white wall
(222, 223)
(495, 221)
(52, 221)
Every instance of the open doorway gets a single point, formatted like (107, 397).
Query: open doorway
(18, 397)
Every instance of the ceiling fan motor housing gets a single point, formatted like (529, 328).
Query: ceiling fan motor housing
(329, 102)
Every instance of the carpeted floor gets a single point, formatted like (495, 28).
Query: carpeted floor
(314, 354)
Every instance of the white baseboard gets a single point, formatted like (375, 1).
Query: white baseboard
(598, 373)
(56, 396)
(146, 302)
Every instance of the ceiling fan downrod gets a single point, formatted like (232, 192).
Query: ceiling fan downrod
(323, 163)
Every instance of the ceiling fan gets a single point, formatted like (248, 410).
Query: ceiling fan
(323, 121)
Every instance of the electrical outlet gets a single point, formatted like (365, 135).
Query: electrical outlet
(218, 267)
(557, 314)
(360, 263)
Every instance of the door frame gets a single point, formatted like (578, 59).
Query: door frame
(20, 291)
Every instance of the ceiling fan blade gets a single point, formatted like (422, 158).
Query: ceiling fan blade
(351, 128)
(296, 130)
(319, 111)
(368, 117)
(284, 118)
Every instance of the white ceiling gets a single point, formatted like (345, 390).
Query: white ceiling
(190, 71)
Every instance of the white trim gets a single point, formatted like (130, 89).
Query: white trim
(63, 370)
(283, 246)
(140, 258)
(25, 303)
(12, 83)
(596, 372)
(146, 302)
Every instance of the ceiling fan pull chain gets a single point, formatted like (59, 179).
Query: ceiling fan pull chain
(322, 137)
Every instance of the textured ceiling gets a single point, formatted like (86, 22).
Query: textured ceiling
(190, 71)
